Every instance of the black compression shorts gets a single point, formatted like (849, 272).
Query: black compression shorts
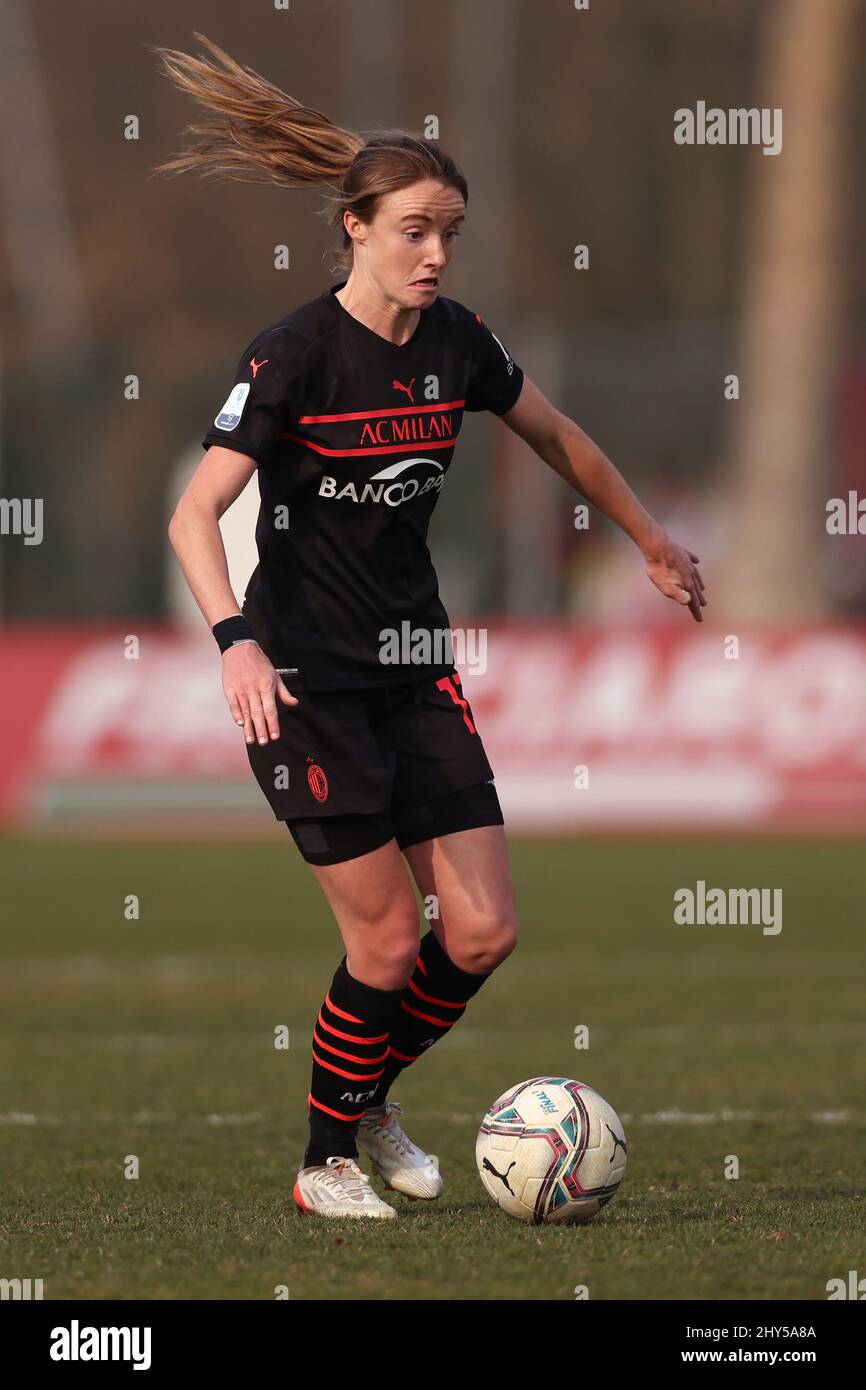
(333, 839)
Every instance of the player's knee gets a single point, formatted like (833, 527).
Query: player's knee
(385, 949)
(488, 946)
(400, 952)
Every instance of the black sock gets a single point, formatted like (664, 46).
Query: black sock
(433, 1000)
(350, 1047)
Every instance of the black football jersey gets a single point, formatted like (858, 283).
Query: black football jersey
(353, 436)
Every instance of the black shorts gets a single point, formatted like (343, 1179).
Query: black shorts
(384, 752)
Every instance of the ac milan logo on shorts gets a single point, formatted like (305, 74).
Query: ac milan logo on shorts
(317, 781)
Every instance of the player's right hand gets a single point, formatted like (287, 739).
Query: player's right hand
(674, 570)
(252, 687)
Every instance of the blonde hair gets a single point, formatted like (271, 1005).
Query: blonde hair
(256, 133)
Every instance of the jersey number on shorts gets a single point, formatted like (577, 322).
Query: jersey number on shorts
(447, 683)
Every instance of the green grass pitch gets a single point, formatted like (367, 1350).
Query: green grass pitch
(154, 1038)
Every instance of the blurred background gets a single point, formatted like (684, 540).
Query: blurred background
(697, 309)
(711, 337)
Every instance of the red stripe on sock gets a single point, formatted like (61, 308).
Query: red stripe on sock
(349, 1037)
(428, 1018)
(446, 1003)
(349, 1056)
(336, 1113)
(353, 1076)
(342, 1012)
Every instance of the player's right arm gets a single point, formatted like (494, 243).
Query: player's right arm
(250, 683)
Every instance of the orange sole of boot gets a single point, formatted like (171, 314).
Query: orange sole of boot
(299, 1201)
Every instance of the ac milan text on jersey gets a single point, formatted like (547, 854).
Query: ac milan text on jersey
(353, 436)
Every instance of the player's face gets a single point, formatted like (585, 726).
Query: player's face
(411, 240)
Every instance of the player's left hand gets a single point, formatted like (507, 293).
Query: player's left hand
(675, 571)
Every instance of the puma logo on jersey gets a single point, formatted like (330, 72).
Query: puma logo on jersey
(398, 386)
(257, 366)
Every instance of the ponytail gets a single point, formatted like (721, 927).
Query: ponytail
(257, 133)
(253, 131)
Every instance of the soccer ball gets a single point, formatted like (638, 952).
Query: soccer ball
(551, 1150)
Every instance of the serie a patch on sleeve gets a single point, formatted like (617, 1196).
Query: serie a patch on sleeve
(229, 416)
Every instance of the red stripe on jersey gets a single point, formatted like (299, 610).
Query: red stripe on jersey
(375, 449)
(377, 414)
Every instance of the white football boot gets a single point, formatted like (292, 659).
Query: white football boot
(401, 1165)
(338, 1187)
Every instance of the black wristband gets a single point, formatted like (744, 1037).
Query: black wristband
(231, 630)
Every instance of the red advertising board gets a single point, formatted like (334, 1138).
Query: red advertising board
(586, 729)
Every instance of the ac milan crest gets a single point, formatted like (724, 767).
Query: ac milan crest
(317, 781)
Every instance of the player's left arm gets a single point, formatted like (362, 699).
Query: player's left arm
(569, 452)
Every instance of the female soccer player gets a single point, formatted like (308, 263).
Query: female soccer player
(338, 668)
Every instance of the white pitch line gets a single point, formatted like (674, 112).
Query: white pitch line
(658, 1117)
(253, 1118)
(143, 1117)
(20, 1117)
(82, 970)
(685, 1117)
